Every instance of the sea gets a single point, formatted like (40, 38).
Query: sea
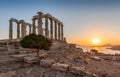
(105, 50)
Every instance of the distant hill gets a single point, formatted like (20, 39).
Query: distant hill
(116, 47)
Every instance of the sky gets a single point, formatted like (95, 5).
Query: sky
(83, 20)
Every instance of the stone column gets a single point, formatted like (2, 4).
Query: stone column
(34, 27)
(10, 30)
(18, 30)
(55, 30)
(40, 29)
(58, 31)
(51, 28)
(30, 29)
(46, 27)
(62, 33)
(23, 29)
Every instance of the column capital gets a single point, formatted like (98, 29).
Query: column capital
(10, 20)
(50, 19)
(21, 21)
(18, 23)
(39, 13)
(59, 23)
(55, 21)
(33, 19)
(46, 16)
(62, 25)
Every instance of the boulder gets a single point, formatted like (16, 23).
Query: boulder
(46, 63)
(60, 67)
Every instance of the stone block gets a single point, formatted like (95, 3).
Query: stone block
(88, 74)
(43, 55)
(46, 63)
(60, 67)
(77, 70)
(96, 58)
(31, 59)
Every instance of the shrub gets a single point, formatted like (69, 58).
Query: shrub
(36, 42)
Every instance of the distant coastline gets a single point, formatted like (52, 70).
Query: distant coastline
(115, 47)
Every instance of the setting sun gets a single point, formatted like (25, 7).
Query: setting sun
(96, 41)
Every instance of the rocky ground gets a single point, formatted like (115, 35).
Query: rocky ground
(91, 65)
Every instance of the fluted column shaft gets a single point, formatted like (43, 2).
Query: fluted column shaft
(46, 27)
(18, 31)
(10, 30)
(30, 30)
(55, 30)
(34, 27)
(51, 28)
(62, 35)
(23, 29)
(58, 31)
(40, 29)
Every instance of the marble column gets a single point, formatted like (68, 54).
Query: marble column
(51, 28)
(62, 35)
(46, 27)
(23, 29)
(58, 31)
(34, 27)
(40, 29)
(10, 30)
(18, 30)
(30, 29)
(55, 30)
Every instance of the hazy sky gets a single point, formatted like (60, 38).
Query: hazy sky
(83, 19)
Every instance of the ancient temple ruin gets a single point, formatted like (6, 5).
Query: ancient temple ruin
(53, 28)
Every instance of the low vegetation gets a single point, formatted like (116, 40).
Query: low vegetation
(37, 42)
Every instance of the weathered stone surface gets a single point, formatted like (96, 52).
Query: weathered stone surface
(30, 59)
(81, 60)
(88, 74)
(43, 55)
(72, 45)
(8, 74)
(96, 58)
(60, 67)
(77, 70)
(46, 63)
